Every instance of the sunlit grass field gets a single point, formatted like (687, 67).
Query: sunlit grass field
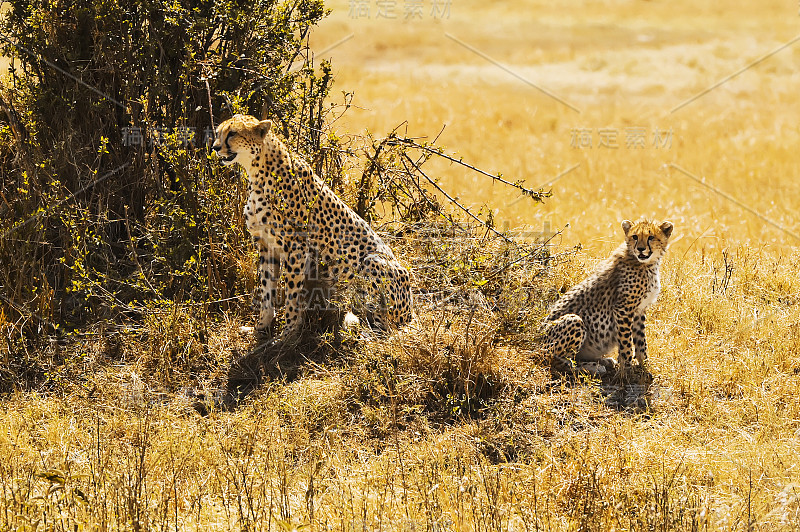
(673, 110)
(619, 71)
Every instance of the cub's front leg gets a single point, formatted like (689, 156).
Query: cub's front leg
(624, 320)
(639, 339)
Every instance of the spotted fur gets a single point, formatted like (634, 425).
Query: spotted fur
(607, 310)
(300, 224)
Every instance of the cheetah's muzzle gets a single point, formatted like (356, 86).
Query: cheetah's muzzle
(226, 159)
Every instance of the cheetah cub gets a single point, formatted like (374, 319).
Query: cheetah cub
(607, 309)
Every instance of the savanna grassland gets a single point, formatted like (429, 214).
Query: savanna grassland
(456, 422)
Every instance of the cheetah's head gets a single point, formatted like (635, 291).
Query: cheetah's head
(647, 242)
(240, 139)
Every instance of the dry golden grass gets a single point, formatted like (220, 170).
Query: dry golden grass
(621, 64)
(391, 437)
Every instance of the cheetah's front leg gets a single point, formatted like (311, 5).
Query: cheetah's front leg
(269, 264)
(639, 339)
(624, 340)
(295, 300)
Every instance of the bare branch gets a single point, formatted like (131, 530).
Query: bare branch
(536, 195)
(455, 202)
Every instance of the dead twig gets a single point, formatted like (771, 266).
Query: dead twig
(455, 202)
(536, 195)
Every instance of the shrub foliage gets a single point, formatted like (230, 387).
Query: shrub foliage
(109, 195)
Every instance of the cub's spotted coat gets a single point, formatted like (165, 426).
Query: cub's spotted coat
(299, 222)
(607, 310)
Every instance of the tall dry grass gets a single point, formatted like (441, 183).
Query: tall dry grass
(455, 423)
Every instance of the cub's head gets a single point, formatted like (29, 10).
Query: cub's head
(646, 241)
(240, 139)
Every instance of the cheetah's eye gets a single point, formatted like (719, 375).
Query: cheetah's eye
(231, 134)
(634, 237)
(650, 238)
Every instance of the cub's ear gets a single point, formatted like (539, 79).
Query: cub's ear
(263, 127)
(626, 226)
(666, 228)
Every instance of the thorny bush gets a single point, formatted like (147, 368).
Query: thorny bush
(111, 203)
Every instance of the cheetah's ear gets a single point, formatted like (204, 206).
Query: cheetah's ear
(263, 127)
(666, 228)
(626, 226)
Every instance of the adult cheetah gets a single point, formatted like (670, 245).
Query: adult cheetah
(607, 310)
(297, 221)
